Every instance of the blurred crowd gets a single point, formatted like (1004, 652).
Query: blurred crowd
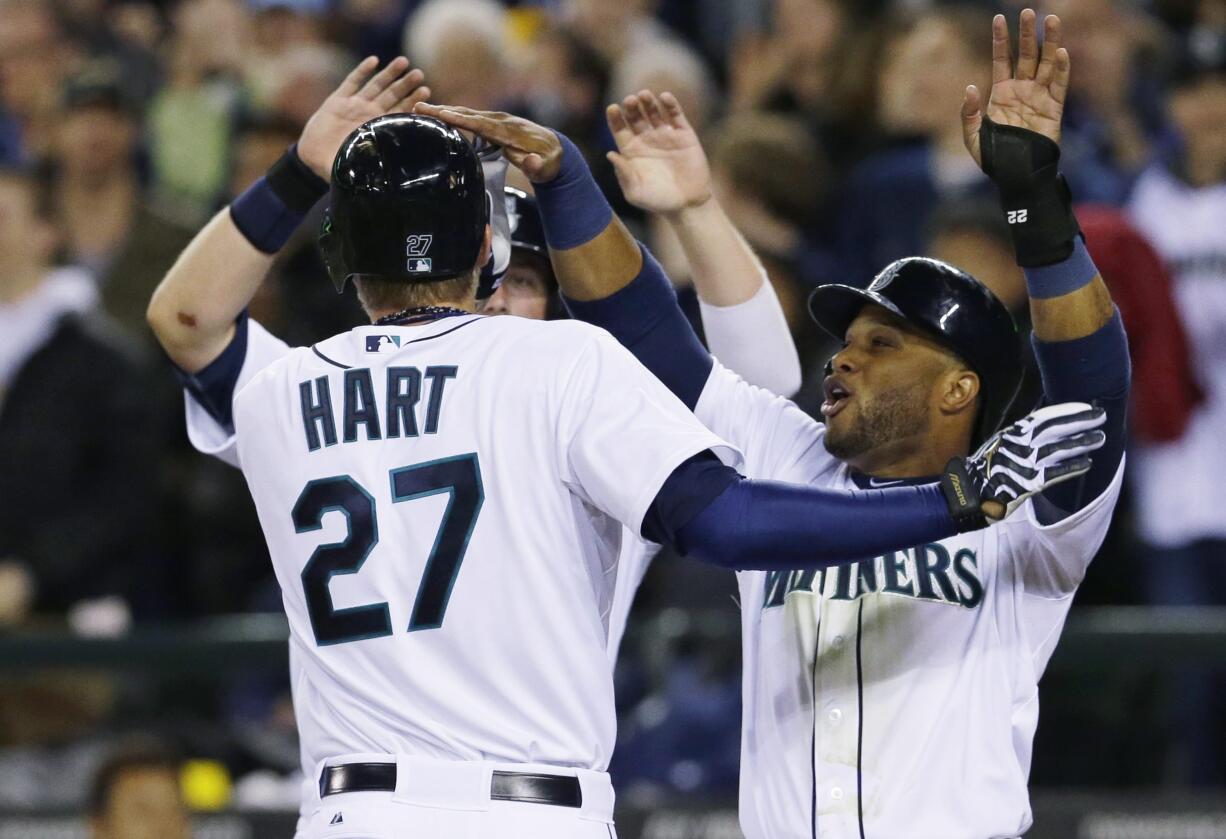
(833, 130)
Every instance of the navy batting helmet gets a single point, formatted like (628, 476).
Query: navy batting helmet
(408, 203)
(527, 233)
(953, 307)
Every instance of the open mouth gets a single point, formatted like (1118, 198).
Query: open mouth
(837, 396)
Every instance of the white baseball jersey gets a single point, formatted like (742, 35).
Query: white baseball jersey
(444, 505)
(1173, 481)
(896, 697)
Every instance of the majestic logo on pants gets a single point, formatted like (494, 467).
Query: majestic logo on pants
(338, 818)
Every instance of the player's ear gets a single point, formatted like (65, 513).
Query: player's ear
(959, 390)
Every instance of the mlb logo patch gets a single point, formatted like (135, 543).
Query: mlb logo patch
(419, 265)
(382, 343)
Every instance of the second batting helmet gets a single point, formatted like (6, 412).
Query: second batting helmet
(950, 305)
(408, 203)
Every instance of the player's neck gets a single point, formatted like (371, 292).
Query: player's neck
(906, 459)
(469, 305)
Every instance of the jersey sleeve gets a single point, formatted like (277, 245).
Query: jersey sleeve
(753, 339)
(623, 433)
(1051, 560)
(779, 440)
(207, 408)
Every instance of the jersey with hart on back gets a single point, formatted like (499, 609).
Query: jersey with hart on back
(442, 503)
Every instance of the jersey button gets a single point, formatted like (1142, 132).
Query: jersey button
(837, 641)
(835, 715)
(837, 793)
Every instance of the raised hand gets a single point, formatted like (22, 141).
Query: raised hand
(534, 150)
(659, 162)
(360, 97)
(1030, 95)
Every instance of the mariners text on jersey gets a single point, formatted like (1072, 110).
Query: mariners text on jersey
(403, 390)
(926, 572)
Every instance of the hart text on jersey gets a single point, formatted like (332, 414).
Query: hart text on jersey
(393, 410)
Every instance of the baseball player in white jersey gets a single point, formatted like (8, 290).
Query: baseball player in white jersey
(443, 494)
(734, 303)
(897, 696)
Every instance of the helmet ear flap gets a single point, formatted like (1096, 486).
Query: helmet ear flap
(330, 250)
(494, 170)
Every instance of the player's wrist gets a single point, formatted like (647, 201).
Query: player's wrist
(573, 209)
(694, 210)
(962, 496)
(269, 211)
(1034, 196)
(297, 184)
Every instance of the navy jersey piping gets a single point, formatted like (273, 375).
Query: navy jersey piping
(315, 349)
(330, 361)
(860, 719)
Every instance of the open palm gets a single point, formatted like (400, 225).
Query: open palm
(1030, 95)
(359, 98)
(659, 162)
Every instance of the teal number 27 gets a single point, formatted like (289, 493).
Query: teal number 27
(459, 477)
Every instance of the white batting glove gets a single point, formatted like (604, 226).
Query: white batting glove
(1042, 449)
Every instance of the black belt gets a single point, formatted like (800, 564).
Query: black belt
(558, 790)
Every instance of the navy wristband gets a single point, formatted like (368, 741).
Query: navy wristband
(270, 210)
(573, 209)
(1064, 277)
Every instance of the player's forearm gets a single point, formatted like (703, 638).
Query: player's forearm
(725, 269)
(1068, 300)
(1092, 368)
(766, 525)
(744, 323)
(593, 253)
(193, 309)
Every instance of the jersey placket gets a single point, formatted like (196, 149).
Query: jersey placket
(835, 716)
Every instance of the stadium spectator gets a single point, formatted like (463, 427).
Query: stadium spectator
(190, 119)
(136, 795)
(35, 56)
(78, 463)
(564, 86)
(767, 207)
(108, 227)
(1179, 203)
(814, 59)
(461, 44)
(1107, 134)
(886, 202)
(612, 29)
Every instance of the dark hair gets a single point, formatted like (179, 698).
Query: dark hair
(131, 758)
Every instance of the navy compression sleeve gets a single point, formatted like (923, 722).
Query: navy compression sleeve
(767, 525)
(1095, 369)
(644, 318)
